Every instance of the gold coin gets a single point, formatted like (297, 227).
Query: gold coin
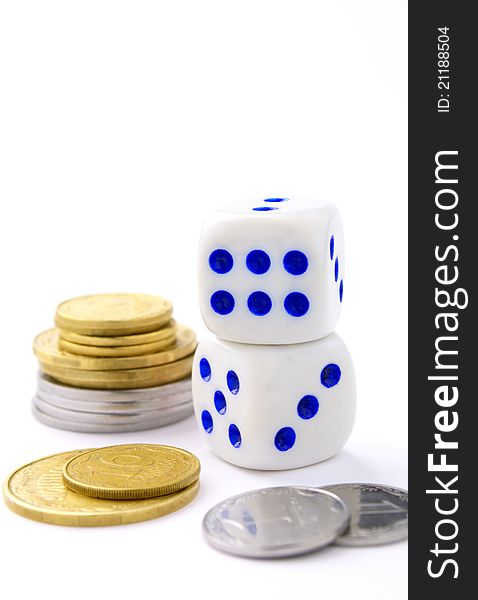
(121, 340)
(113, 314)
(115, 351)
(131, 471)
(124, 379)
(36, 491)
(46, 348)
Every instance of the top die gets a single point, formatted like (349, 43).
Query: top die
(271, 271)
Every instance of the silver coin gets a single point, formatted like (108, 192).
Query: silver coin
(105, 418)
(175, 400)
(93, 427)
(378, 513)
(109, 415)
(275, 522)
(49, 386)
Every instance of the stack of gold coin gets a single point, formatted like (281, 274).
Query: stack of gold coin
(114, 362)
(104, 486)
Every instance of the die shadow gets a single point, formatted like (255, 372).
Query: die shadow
(344, 467)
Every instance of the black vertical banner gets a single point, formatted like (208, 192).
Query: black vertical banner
(443, 268)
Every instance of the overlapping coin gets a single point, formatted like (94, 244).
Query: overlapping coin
(47, 350)
(114, 401)
(379, 513)
(37, 490)
(115, 351)
(113, 314)
(276, 522)
(122, 379)
(102, 411)
(131, 471)
(138, 339)
(121, 344)
(286, 521)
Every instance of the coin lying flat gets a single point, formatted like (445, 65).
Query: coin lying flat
(108, 417)
(275, 522)
(131, 471)
(379, 513)
(72, 424)
(123, 379)
(115, 351)
(137, 339)
(91, 406)
(46, 348)
(36, 491)
(113, 314)
(51, 387)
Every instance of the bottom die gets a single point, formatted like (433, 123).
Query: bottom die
(274, 407)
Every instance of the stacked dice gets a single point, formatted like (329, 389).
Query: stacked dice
(276, 388)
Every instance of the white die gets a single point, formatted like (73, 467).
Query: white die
(271, 271)
(274, 407)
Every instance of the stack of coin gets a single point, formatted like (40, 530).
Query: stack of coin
(104, 486)
(114, 362)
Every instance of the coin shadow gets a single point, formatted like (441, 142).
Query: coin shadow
(331, 552)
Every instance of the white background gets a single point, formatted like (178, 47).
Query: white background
(121, 123)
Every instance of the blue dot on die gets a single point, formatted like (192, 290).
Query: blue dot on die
(332, 245)
(295, 262)
(296, 304)
(220, 402)
(341, 289)
(235, 435)
(207, 421)
(205, 369)
(222, 302)
(264, 208)
(284, 439)
(336, 269)
(259, 303)
(258, 262)
(308, 407)
(232, 382)
(221, 261)
(276, 199)
(330, 375)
